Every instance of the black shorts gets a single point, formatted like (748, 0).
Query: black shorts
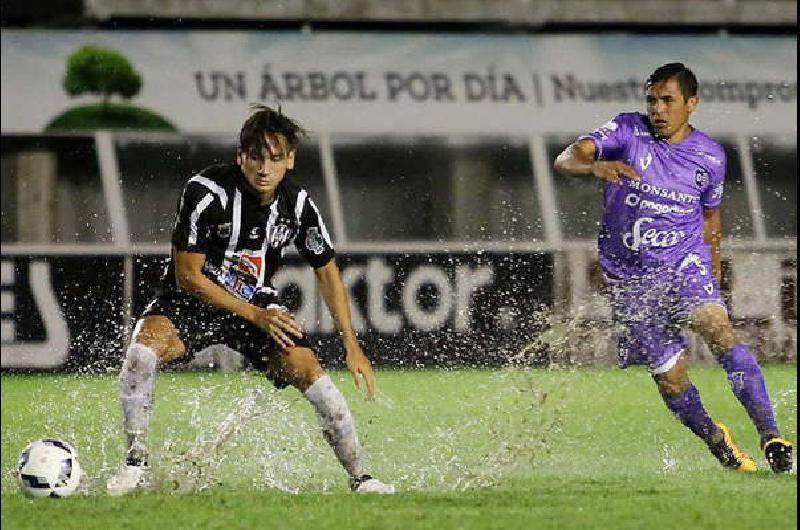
(200, 325)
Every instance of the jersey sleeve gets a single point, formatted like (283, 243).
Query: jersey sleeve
(610, 139)
(313, 240)
(711, 196)
(192, 232)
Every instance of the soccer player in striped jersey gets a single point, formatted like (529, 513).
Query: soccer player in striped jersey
(232, 228)
(660, 254)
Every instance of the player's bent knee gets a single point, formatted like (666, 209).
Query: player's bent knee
(160, 335)
(300, 367)
(672, 388)
(713, 323)
(710, 316)
(675, 381)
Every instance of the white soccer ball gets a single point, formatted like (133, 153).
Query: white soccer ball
(48, 468)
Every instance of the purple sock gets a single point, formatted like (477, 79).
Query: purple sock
(747, 383)
(689, 411)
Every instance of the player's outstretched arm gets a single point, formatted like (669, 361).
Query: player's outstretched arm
(577, 160)
(333, 291)
(190, 278)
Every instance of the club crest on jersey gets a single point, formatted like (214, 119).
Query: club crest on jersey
(224, 230)
(279, 235)
(314, 241)
(701, 177)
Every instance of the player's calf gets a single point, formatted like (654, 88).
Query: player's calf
(688, 409)
(339, 430)
(137, 380)
(298, 366)
(747, 384)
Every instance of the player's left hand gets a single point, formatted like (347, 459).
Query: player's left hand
(359, 366)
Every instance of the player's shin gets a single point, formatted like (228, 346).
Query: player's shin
(747, 383)
(136, 396)
(688, 409)
(337, 424)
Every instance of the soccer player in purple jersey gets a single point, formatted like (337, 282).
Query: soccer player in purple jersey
(659, 248)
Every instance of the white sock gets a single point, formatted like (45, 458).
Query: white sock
(136, 383)
(337, 424)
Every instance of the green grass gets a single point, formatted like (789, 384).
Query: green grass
(587, 448)
(109, 116)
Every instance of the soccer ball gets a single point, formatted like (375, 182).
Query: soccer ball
(48, 468)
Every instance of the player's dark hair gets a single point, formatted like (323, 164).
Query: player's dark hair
(678, 71)
(265, 121)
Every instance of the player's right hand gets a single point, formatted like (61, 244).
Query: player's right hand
(280, 325)
(614, 171)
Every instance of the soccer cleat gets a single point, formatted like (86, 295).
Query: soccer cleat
(729, 454)
(126, 480)
(367, 484)
(133, 474)
(779, 454)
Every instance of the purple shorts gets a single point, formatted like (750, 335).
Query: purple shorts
(651, 310)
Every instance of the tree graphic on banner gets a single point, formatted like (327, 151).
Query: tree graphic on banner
(101, 71)
(105, 73)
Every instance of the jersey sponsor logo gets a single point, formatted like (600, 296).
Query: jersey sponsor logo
(664, 193)
(241, 273)
(645, 161)
(638, 132)
(701, 177)
(254, 232)
(650, 237)
(314, 241)
(633, 199)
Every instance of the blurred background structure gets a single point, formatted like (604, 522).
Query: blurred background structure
(671, 15)
(433, 126)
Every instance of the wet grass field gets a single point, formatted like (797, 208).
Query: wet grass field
(567, 448)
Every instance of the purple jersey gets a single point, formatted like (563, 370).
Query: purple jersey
(657, 221)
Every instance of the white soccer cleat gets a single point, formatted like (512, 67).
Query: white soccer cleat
(373, 485)
(126, 480)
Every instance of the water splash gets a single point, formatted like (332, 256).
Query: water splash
(669, 462)
(215, 431)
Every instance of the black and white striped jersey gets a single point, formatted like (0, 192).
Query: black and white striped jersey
(244, 241)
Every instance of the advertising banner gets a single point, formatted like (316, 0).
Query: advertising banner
(61, 312)
(409, 310)
(202, 82)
